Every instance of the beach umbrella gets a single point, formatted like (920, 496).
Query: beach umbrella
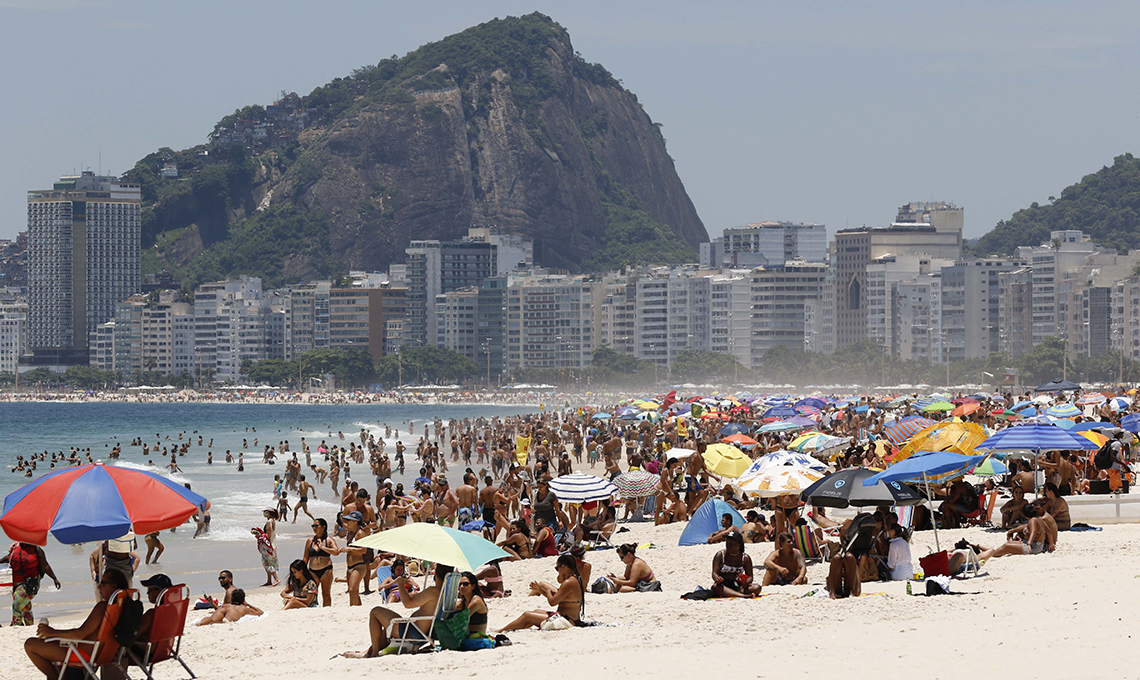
(807, 410)
(677, 452)
(1131, 422)
(1064, 423)
(813, 402)
(966, 409)
(1064, 411)
(636, 484)
(990, 467)
(601, 415)
(435, 543)
(1058, 385)
(1119, 403)
(1035, 437)
(1094, 437)
(921, 467)
(780, 481)
(780, 412)
(726, 460)
(476, 525)
(783, 459)
(817, 442)
(902, 430)
(581, 488)
(739, 440)
(779, 426)
(1092, 399)
(845, 488)
(944, 436)
(733, 428)
(937, 406)
(96, 502)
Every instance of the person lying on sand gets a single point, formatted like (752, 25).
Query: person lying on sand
(1037, 537)
(785, 565)
(232, 612)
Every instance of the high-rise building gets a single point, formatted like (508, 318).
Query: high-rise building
(852, 255)
(672, 315)
(436, 267)
(13, 336)
(83, 259)
(358, 317)
(1015, 312)
(971, 299)
(779, 296)
(456, 321)
(768, 243)
(549, 322)
(730, 316)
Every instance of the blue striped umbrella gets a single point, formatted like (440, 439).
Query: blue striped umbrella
(581, 488)
(902, 430)
(1064, 411)
(1035, 437)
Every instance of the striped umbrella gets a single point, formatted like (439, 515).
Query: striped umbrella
(815, 441)
(780, 459)
(902, 430)
(779, 426)
(581, 488)
(1119, 403)
(1064, 411)
(636, 484)
(1092, 399)
(1035, 437)
(807, 410)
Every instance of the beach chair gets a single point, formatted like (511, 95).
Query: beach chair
(405, 635)
(165, 638)
(985, 511)
(905, 514)
(90, 655)
(804, 538)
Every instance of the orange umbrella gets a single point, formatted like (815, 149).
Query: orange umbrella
(740, 440)
(1094, 437)
(966, 409)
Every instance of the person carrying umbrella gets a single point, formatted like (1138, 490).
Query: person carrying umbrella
(28, 563)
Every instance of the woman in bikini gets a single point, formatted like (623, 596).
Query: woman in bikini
(492, 577)
(319, 550)
(732, 569)
(301, 589)
(355, 560)
(637, 571)
(390, 588)
(517, 542)
(472, 598)
(569, 598)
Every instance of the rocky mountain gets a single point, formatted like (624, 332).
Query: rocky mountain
(1104, 205)
(501, 125)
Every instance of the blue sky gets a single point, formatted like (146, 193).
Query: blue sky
(819, 112)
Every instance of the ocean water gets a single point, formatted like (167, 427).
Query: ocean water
(236, 498)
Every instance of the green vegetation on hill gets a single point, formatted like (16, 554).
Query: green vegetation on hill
(1105, 205)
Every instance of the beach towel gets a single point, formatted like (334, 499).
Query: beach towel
(1081, 526)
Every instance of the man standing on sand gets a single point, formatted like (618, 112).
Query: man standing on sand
(786, 565)
(446, 503)
(468, 498)
(304, 488)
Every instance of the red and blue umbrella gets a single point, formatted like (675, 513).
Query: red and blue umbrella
(95, 503)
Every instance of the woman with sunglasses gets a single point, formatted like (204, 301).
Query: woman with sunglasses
(44, 655)
(319, 550)
(301, 588)
(471, 596)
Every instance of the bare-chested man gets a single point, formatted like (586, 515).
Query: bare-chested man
(446, 502)
(1037, 537)
(786, 565)
(304, 488)
(468, 495)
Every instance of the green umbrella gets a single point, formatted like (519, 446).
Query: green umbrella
(435, 543)
(939, 406)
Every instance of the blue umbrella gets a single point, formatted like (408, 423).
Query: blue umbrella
(781, 412)
(1028, 412)
(1021, 404)
(779, 426)
(474, 525)
(1064, 411)
(1130, 422)
(1058, 385)
(1035, 437)
(602, 415)
(1092, 424)
(733, 428)
(812, 401)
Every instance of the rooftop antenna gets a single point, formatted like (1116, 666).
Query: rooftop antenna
(100, 160)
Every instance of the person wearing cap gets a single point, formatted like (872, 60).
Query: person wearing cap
(154, 587)
(114, 554)
(732, 569)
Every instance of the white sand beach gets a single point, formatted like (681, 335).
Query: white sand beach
(1068, 614)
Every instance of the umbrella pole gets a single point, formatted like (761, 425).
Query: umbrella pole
(930, 508)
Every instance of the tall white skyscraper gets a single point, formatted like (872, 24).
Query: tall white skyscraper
(83, 259)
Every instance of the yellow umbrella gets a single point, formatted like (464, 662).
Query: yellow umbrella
(725, 460)
(649, 406)
(945, 436)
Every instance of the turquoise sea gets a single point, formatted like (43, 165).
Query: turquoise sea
(236, 498)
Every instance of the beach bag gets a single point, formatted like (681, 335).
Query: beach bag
(868, 569)
(451, 630)
(555, 622)
(698, 594)
(602, 586)
(648, 586)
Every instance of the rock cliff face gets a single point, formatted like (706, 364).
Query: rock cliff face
(502, 125)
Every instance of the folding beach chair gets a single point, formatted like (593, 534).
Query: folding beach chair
(165, 638)
(90, 655)
(804, 538)
(985, 511)
(405, 635)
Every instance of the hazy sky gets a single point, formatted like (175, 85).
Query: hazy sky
(818, 112)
